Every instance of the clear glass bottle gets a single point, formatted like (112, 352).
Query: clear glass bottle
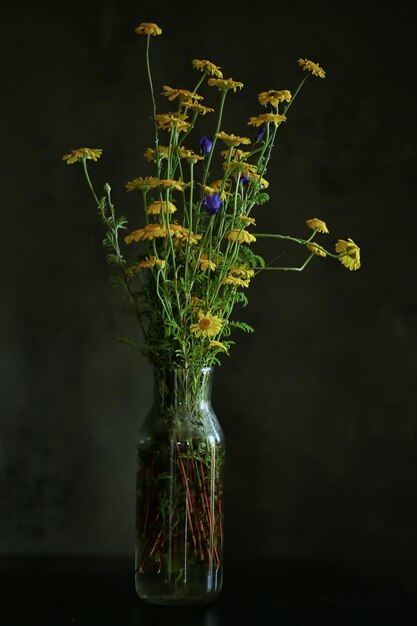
(179, 506)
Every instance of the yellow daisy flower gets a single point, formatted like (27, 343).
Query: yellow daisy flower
(240, 235)
(147, 233)
(206, 66)
(247, 219)
(82, 153)
(205, 263)
(224, 84)
(197, 107)
(191, 156)
(150, 153)
(166, 121)
(142, 184)
(180, 233)
(254, 176)
(239, 166)
(148, 28)
(178, 185)
(349, 253)
(172, 94)
(313, 68)
(215, 187)
(148, 262)
(160, 206)
(316, 224)
(235, 154)
(267, 118)
(313, 247)
(208, 325)
(274, 97)
(232, 140)
(239, 276)
(217, 345)
(236, 281)
(195, 301)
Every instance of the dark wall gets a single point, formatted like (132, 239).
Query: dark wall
(318, 406)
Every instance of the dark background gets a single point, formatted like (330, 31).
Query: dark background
(318, 405)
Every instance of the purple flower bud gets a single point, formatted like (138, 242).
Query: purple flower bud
(261, 133)
(212, 203)
(205, 145)
(244, 180)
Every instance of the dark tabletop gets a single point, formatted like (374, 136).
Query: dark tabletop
(69, 591)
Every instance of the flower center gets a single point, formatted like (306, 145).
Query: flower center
(204, 323)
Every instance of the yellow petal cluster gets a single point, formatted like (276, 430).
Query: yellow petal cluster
(160, 206)
(148, 232)
(267, 118)
(207, 66)
(142, 184)
(232, 140)
(150, 153)
(148, 262)
(224, 84)
(274, 97)
(349, 254)
(167, 121)
(82, 153)
(313, 68)
(316, 249)
(181, 94)
(240, 235)
(205, 263)
(315, 224)
(148, 28)
(208, 325)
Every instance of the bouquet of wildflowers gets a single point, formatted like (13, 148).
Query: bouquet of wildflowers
(192, 251)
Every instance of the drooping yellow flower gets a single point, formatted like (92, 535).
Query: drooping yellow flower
(181, 233)
(142, 184)
(267, 118)
(148, 28)
(235, 154)
(191, 156)
(196, 302)
(148, 262)
(160, 206)
(240, 235)
(224, 84)
(167, 121)
(239, 276)
(208, 325)
(314, 247)
(274, 97)
(349, 253)
(239, 166)
(197, 107)
(262, 181)
(177, 185)
(181, 94)
(217, 345)
(150, 153)
(316, 224)
(148, 232)
(247, 219)
(313, 68)
(206, 66)
(216, 187)
(82, 153)
(205, 263)
(232, 140)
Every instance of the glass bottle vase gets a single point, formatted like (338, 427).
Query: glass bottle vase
(179, 494)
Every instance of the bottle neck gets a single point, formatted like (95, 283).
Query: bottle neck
(180, 387)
